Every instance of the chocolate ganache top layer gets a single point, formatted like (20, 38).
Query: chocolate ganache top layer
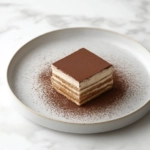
(81, 64)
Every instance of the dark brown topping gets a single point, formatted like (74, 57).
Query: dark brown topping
(81, 64)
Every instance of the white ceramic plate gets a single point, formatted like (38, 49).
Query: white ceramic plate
(29, 73)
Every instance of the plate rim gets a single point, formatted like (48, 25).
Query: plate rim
(56, 120)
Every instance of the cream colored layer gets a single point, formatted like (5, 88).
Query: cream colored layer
(78, 92)
(76, 95)
(84, 83)
(95, 95)
(101, 87)
(86, 99)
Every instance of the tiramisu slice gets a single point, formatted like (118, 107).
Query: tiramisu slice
(82, 76)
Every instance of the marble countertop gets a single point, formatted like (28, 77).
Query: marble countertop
(20, 21)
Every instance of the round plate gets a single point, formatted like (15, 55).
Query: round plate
(29, 75)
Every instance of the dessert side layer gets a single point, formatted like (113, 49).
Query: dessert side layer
(87, 96)
(86, 82)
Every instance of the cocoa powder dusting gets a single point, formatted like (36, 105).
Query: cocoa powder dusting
(61, 103)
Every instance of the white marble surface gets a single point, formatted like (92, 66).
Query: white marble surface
(23, 20)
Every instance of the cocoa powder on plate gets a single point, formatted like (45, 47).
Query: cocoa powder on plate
(61, 103)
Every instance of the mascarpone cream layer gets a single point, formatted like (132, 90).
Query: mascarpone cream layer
(77, 96)
(85, 83)
(80, 91)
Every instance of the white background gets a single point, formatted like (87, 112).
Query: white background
(20, 21)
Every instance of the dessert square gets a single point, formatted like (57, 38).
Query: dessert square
(81, 76)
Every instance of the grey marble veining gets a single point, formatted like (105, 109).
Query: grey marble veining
(137, 17)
